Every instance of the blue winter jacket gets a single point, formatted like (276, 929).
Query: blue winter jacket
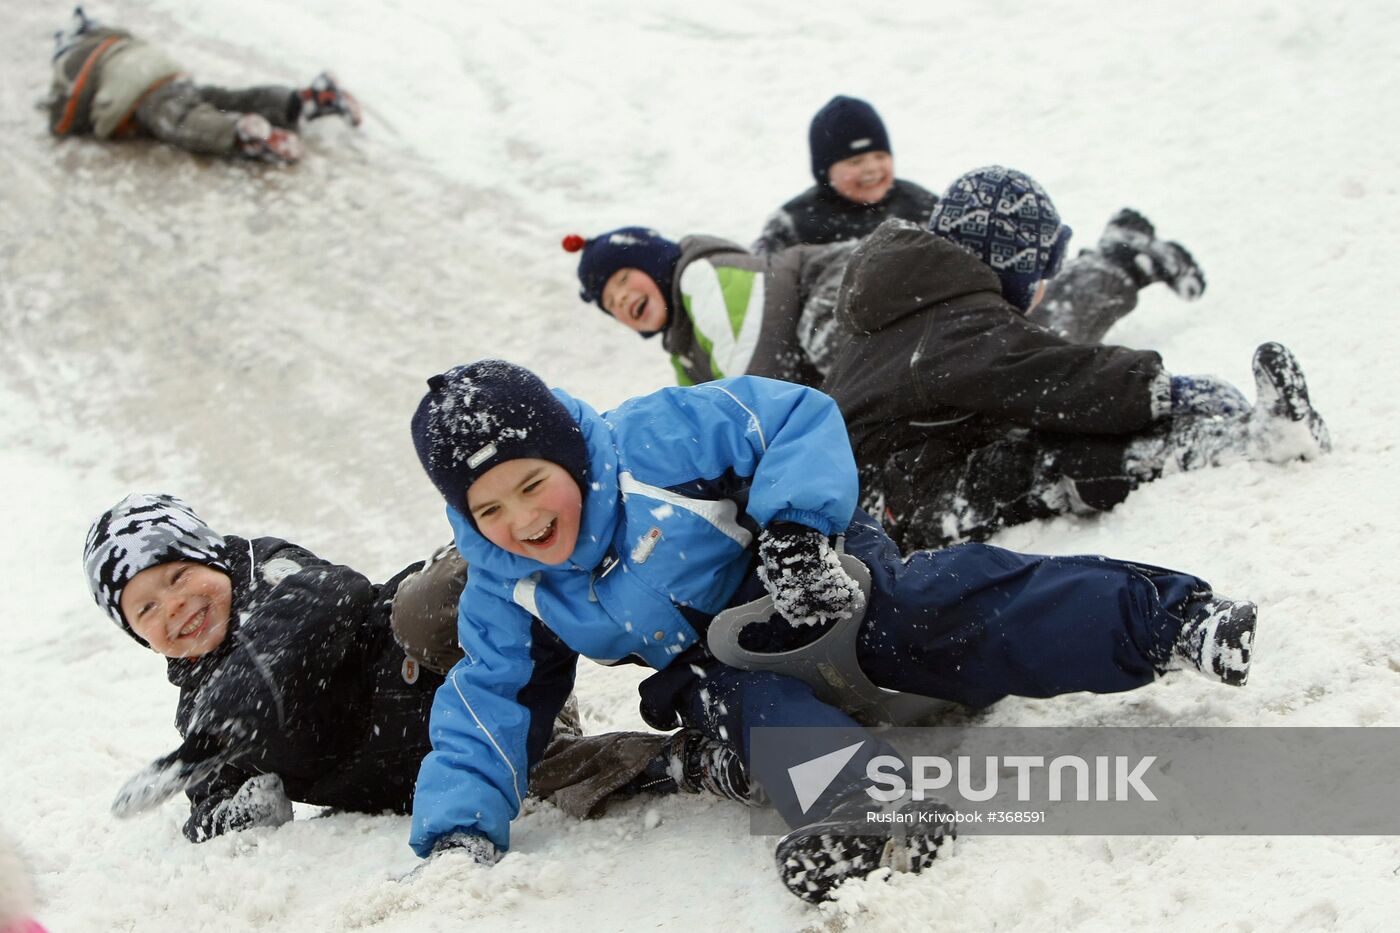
(680, 481)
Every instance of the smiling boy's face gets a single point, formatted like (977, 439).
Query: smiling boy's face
(864, 179)
(633, 297)
(181, 609)
(528, 507)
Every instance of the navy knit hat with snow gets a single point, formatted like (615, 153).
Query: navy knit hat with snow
(478, 416)
(845, 127)
(1006, 219)
(140, 532)
(623, 248)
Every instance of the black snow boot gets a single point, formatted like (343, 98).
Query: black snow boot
(324, 97)
(813, 860)
(1130, 243)
(708, 766)
(693, 763)
(1217, 638)
(1283, 410)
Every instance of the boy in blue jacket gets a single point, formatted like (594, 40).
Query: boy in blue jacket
(620, 536)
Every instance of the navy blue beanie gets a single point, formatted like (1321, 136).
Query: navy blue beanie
(1005, 219)
(623, 248)
(845, 127)
(478, 416)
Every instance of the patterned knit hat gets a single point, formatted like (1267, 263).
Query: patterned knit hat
(844, 128)
(1004, 218)
(140, 532)
(623, 248)
(477, 416)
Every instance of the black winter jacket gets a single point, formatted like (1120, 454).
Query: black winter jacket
(311, 673)
(820, 215)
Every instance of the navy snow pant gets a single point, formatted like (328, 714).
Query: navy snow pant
(970, 624)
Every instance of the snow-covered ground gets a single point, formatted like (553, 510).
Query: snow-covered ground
(255, 339)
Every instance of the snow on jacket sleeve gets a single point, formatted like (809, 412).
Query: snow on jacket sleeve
(491, 719)
(788, 439)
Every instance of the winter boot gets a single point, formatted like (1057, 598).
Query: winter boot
(701, 765)
(814, 859)
(1130, 243)
(1217, 639)
(255, 138)
(1284, 423)
(326, 98)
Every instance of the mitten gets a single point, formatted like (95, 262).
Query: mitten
(803, 573)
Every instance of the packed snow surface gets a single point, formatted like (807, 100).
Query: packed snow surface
(254, 340)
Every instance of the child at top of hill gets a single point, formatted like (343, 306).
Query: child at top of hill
(856, 188)
(109, 84)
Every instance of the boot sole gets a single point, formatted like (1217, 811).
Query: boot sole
(812, 863)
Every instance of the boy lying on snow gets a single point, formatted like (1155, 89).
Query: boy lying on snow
(620, 536)
(292, 686)
(110, 84)
(970, 375)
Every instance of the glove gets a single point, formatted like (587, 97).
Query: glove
(803, 573)
(1206, 395)
(261, 801)
(202, 754)
(478, 849)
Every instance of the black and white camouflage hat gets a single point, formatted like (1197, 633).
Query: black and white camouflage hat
(139, 532)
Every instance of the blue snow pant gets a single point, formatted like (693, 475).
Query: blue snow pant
(970, 624)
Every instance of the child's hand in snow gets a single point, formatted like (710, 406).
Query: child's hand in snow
(460, 846)
(803, 573)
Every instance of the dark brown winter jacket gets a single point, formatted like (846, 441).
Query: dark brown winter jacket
(939, 360)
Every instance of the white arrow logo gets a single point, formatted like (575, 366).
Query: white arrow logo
(811, 778)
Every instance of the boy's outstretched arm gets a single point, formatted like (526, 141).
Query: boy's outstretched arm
(491, 721)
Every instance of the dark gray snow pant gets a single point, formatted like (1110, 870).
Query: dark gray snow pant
(1088, 297)
(202, 119)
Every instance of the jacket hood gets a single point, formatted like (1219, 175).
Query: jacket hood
(698, 247)
(902, 268)
(602, 505)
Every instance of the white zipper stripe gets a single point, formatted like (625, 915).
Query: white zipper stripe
(722, 513)
(524, 596)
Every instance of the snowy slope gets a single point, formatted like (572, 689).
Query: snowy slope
(255, 340)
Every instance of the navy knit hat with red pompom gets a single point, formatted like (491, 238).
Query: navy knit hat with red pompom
(624, 248)
(478, 416)
(1006, 219)
(845, 127)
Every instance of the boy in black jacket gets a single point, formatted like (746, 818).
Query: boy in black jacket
(292, 686)
(855, 190)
